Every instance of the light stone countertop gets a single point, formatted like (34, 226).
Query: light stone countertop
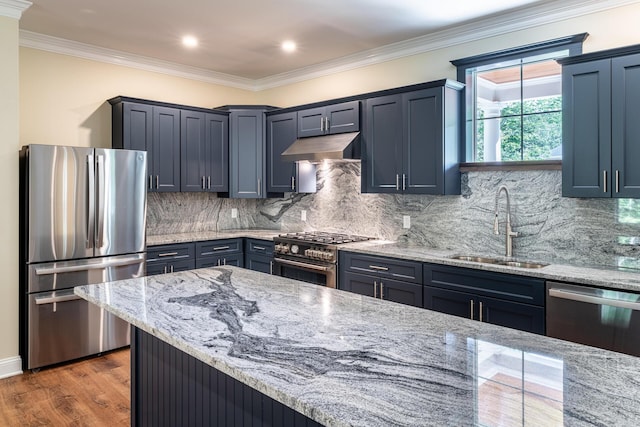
(623, 279)
(345, 359)
(167, 239)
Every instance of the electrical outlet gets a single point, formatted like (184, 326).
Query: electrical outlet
(406, 221)
(303, 215)
(234, 213)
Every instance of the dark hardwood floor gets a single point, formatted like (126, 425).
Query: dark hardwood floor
(92, 392)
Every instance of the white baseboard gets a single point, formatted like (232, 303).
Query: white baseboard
(10, 366)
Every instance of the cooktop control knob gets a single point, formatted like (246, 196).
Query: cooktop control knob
(294, 249)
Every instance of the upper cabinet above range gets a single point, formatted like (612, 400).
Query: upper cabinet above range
(331, 119)
(601, 131)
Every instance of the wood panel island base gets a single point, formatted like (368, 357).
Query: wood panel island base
(227, 346)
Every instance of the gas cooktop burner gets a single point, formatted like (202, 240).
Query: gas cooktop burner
(324, 237)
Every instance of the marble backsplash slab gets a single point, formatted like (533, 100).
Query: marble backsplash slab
(583, 231)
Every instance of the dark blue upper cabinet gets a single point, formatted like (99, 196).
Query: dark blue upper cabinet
(192, 150)
(382, 145)
(247, 154)
(336, 118)
(625, 132)
(133, 130)
(586, 129)
(281, 133)
(217, 152)
(166, 149)
(601, 132)
(411, 142)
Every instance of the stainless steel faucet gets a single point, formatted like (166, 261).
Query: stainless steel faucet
(510, 233)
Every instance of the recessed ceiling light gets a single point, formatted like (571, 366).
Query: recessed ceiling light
(190, 41)
(288, 46)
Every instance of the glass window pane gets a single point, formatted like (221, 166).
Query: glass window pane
(497, 88)
(542, 87)
(510, 139)
(542, 136)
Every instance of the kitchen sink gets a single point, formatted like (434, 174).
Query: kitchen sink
(498, 261)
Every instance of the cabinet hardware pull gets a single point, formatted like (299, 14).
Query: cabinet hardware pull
(326, 124)
(259, 188)
(375, 289)
(404, 181)
(397, 182)
(375, 267)
(604, 178)
(165, 269)
(481, 311)
(220, 248)
(168, 254)
(381, 290)
(150, 182)
(259, 248)
(224, 261)
(471, 317)
(157, 181)
(171, 271)
(617, 181)
(209, 182)
(293, 182)
(218, 262)
(203, 187)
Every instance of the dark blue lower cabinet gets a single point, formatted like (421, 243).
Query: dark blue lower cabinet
(172, 388)
(260, 263)
(524, 317)
(382, 288)
(236, 260)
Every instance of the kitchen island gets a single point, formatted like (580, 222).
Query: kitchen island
(338, 358)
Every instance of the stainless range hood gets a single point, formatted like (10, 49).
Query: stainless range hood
(339, 146)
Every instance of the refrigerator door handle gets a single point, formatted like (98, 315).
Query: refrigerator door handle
(41, 271)
(90, 202)
(100, 201)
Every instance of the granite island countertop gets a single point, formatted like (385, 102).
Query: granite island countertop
(344, 359)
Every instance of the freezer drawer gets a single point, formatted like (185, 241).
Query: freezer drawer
(604, 318)
(64, 327)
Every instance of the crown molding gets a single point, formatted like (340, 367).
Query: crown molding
(13, 8)
(86, 51)
(529, 17)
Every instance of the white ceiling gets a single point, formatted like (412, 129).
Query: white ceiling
(241, 38)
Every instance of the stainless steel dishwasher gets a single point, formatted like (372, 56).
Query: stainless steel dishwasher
(604, 318)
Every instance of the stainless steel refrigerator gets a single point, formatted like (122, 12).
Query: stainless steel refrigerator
(83, 218)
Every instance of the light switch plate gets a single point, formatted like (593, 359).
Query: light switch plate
(406, 221)
(303, 215)
(234, 213)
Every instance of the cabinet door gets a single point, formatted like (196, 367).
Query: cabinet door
(137, 132)
(344, 117)
(181, 265)
(422, 146)
(311, 122)
(260, 263)
(192, 150)
(217, 152)
(625, 131)
(246, 165)
(456, 303)
(281, 133)
(359, 284)
(236, 260)
(156, 268)
(524, 317)
(166, 149)
(382, 145)
(402, 292)
(586, 129)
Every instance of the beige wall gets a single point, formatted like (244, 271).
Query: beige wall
(9, 118)
(63, 101)
(612, 28)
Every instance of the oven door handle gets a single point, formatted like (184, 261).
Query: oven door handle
(302, 265)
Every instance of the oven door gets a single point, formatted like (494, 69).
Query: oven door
(306, 271)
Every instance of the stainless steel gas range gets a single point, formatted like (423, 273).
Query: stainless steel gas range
(310, 256)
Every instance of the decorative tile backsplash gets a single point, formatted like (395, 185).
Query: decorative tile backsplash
(550, 227)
